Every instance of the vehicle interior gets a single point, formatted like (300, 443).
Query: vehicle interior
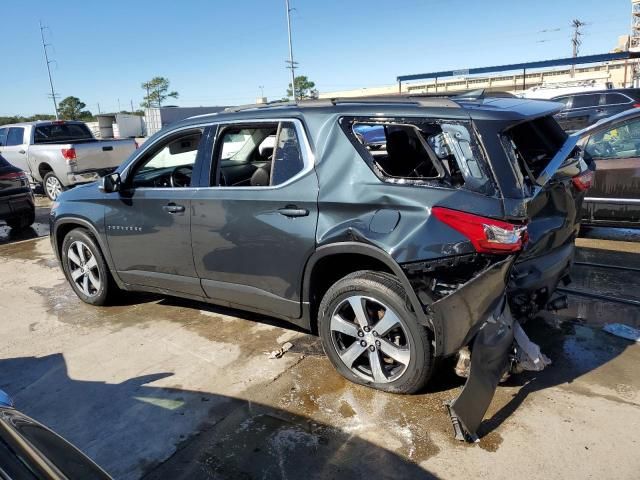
(170, 166)
(620, 141)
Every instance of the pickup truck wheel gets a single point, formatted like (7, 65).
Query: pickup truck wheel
(372, 336)
(52, 185)
(85, 268)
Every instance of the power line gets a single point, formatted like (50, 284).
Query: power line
(576, 41)
(53, 94)
(291, 62)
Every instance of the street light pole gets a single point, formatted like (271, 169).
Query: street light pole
(291, 62)
(46, 58)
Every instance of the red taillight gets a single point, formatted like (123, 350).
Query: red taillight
(58, 122)
(13, 175)
(486, 234)
(583, 181)
(636, 105)
(69, 153)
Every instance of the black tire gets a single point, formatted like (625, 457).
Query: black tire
(107, 289)
(386, 289)
(25, 221)
(51, 177)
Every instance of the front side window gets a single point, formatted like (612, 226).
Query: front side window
(15, 136)
(3, 136)
(171, 163)
(621, 141)
(261, 155)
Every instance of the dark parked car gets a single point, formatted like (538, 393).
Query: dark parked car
(17, 206)
(584, 109)
(614, 144)
(29, 450)
(395, 259)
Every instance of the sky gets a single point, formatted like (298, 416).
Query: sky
(219, 52)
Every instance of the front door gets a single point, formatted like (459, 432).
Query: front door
(254, 227)
(148, 221)
(615, 194)
(13, 147)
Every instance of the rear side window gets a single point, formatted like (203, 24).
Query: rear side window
(615, 98)
(15, 136)
(534, 144)
(63, 132)
(421, 151)
(287, 158)
(583, 101)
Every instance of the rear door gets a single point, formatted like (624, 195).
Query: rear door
(615, 194)
(582, 111)
(253, 225)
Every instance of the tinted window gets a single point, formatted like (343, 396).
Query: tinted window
(621, 141)
(582, 101)
(15, 137)
(614, 98)
(3, 136)
(65, 457)
(563, 100)
(287, 160)
(62, 132)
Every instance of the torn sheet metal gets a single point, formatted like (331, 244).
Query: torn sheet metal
(489, 360)
(500, 342)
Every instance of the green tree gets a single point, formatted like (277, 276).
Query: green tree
(157, 92)
(305, 88)
(72, 108)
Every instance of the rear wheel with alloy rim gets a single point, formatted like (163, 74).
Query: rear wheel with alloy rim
(85, 268)
(52, 186)
(372, 336)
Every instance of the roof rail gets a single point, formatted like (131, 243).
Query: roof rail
(423, 101)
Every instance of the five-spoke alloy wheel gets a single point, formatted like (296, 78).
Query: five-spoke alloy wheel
(85, 268)
(372, 336)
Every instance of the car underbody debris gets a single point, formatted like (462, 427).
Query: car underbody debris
(500, 343)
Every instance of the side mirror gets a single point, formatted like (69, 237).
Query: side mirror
(110, 183)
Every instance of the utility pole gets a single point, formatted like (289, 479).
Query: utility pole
(48, 62)
(576, 41)
(292, 64)
(131, 105)
(99, 112)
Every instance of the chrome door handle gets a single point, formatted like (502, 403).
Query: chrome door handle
(293, 211)
(173, 208)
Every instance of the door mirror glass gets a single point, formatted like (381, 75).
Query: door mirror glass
(110, 183)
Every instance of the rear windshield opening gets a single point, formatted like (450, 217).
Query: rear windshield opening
(421, 151)
(535, 143)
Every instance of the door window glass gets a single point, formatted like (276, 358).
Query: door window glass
(287, 159)
(615, 99)
(171, 165)
(622, 141)
(3, 136)
(563, 100)
(258, 156)
(15, 136)
(582, 101)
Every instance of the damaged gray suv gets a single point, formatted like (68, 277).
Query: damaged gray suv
(432, 243)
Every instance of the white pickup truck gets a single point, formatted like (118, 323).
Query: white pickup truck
(60, 154)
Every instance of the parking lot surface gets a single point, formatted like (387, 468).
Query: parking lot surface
(158, 387)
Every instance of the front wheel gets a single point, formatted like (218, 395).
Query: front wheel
(52, 185)
(372, 336)
(86, 269)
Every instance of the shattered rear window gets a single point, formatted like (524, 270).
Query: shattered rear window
(533, 144)
(421, 152)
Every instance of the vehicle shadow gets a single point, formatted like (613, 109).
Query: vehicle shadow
(134, 429)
